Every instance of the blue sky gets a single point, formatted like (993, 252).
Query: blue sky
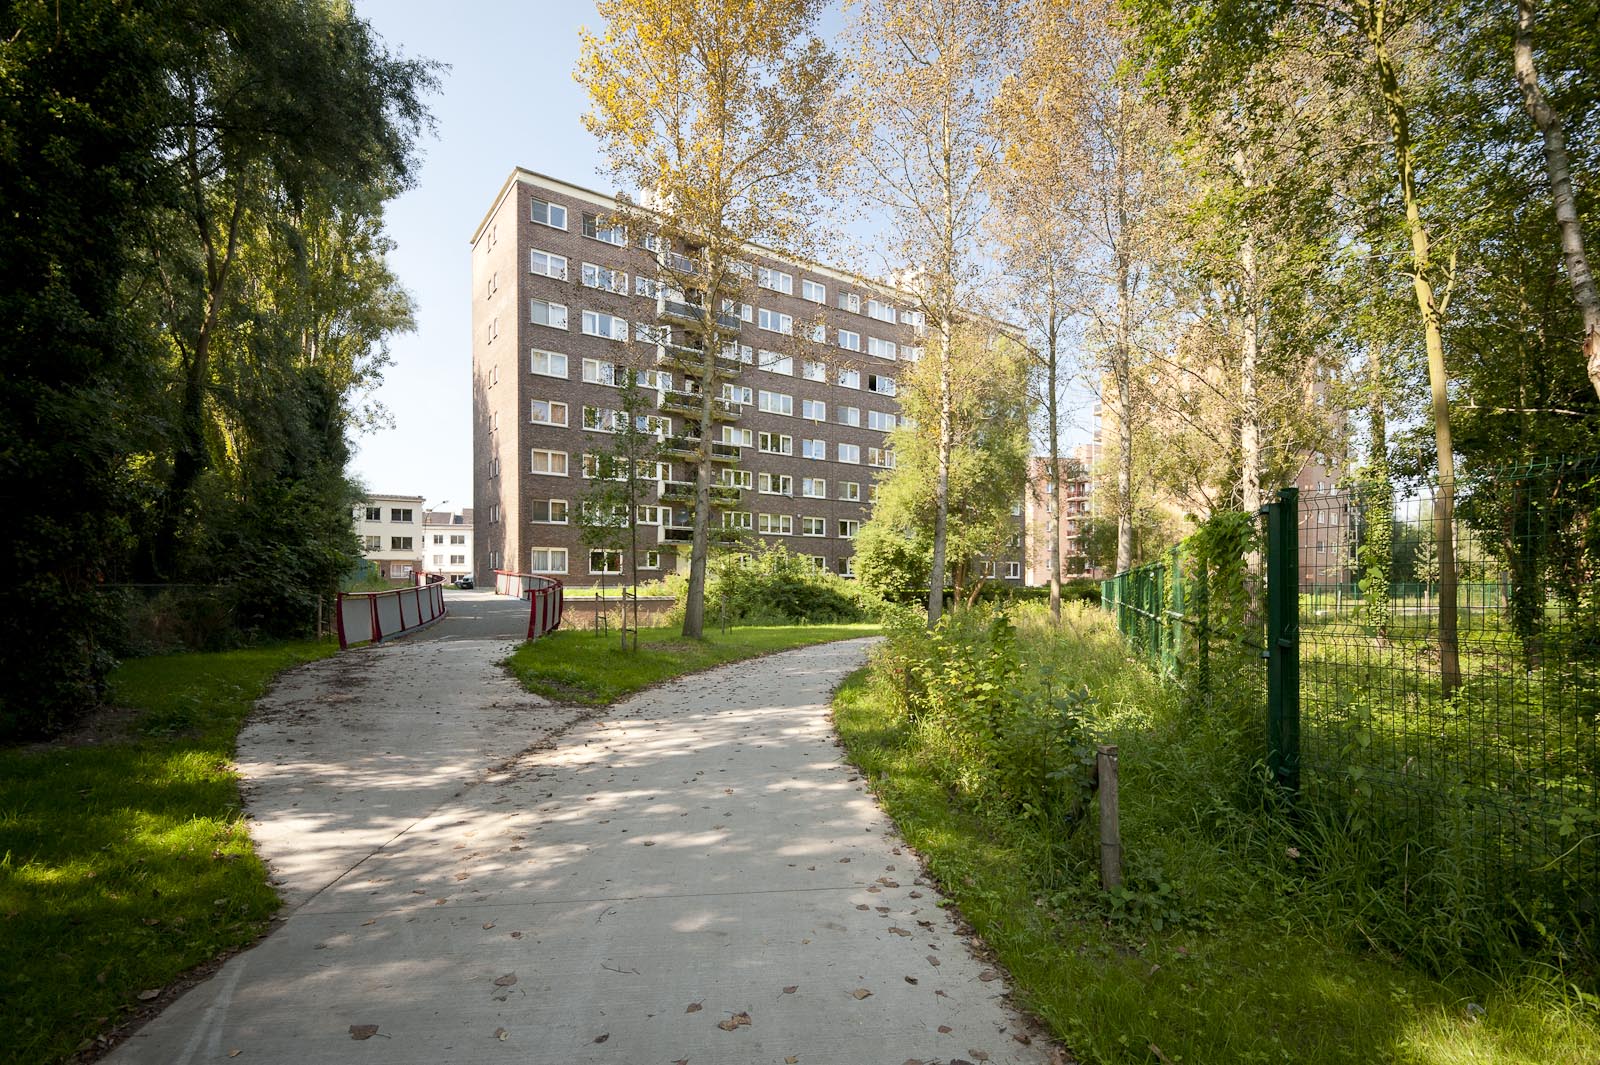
(508, 99)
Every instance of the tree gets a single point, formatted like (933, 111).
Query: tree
(986, 461)
(924, 73)
(716, 110)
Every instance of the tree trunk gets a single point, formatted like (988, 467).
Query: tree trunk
(941, 490)
(694, 612)
(1249, 406)
(1555, 160)
(1124, 375)
(1428, 309)
(1053, 415)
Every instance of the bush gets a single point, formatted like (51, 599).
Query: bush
(775, 587)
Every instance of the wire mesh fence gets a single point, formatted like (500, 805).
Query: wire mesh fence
(1441, 682)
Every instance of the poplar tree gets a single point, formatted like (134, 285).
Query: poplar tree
(714, 110)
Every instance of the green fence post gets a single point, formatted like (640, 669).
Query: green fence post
(1283, 639)
(1175, 618)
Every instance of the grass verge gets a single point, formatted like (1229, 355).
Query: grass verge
(125, 862)
(590, 670)
(1234, 970)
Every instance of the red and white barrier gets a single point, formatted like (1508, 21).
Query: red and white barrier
(546, 597)
(372, 617)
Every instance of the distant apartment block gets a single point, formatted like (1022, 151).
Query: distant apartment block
(564, 306)
(1077, 487)
(390, 528)
(447, 543)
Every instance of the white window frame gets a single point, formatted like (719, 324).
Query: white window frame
(775, 403)
(738, 437)
(777, 362)
(550, 405)
(775, 484)
(775, 443)
(551, 210)
(605, 373)
(550, 553)
(605, 279)
(550, 309)
(814, 409)
(614, 235)
(848, 453)
(880, 311)
(850, 378)
(881, 384)
(814, 487)
(881, 458)
(775, 280)
(733, 478)
(815, 291)
(776, 525)
(876, 421)
(849, 340)
(549, 509)
(738, 519)
(814, 370)
(848, 527)
(592, 321)
(606, 556)
(813, 526)
(879, 348)
(848, 415)
(814, 448)
(566, 462)
(850, 491)
(551, 259)
(774, 321)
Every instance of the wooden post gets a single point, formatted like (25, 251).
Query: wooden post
(1110, 821)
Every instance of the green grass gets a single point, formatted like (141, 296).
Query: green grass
(579, 667)
(126, 862)
(1242, 969)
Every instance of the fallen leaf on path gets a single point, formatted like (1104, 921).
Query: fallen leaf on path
(488, 925)
(365, 923)
(844, 861)
(363, 1031)
(462, 876)
(987, 975)
(899, 931)
(1023, 1038)
(791, 989)
(602, 1037)
(860, 993)
(911, 980)
(791, 1060)
(694, 1007)
(980, 1055)
(501, 1034)
(863, 906)
(505, 981)
(234, 1053)
(516, 935)
(736, 1021)
(886, 882)
(933, 960)
(440, 902)
(945, 1029)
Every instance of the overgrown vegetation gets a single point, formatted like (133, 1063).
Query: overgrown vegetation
(126, 860)
(771, 586)
(1229, 941)
(570, 666)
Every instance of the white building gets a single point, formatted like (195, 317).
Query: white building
(391, 534)
(447, 546)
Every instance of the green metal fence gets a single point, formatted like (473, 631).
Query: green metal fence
(1478, 748)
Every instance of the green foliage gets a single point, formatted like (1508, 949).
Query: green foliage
(892, 564)
(571, 666)
(772, 586)
(127, 861)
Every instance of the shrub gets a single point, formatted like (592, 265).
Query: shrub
(774, 587)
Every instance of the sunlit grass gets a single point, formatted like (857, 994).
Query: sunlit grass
(124, 863)
(1251, 974)
(591, 670)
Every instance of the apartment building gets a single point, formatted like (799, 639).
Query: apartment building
(565, 306)
(1077, 488)
(390, 528)
(447, 542)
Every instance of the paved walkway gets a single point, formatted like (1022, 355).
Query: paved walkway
(694, 875)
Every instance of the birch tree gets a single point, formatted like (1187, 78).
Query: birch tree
(715, 110)
(923, 77)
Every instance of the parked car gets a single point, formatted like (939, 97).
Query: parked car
(463, 582)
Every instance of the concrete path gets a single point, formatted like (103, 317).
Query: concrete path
(694, 875)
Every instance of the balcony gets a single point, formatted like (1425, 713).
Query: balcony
(683, 534)
(689, 447)
(688, 403)
(682, 493)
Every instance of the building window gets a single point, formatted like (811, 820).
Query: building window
(738, 437)
(881, 457)
(400, 514)
(776, 280)
(605, 561)
(775, 322)
(651, 560)
(437, 538)
(547, 511)
(738, 478)
(546, 264)
(814, 291)
(776, 443)
(773, 362)
(547, 560)
(775, 484)
(494, 466)
(812, 370)
(814, 488)
(549, 214)
(1013, 571)
(847, 567)
(374, 513)
(850, 378)
(458, 540)
(814, 409)
(400, 543)
(882, 349)
(374, 543)
(881, 311)
(776, 525)
(491, 330)
(543, 312)
(548, 412)
(596, 372)
(743, 395)
(458, 560)
(610, 326)
(493, 286)
(848, 528)
(602, 278)
(849, 416)
(593, 229)
(881, 384)
(850, 453)
(849, 301)
(819, 561)
(742, 311)
(743, 269)
(777, 403)
(738, 519)
(880, 420)
(550, 463)
(647, 515)
(548, 364)
(603, 420)
(813, 526)
(814, 449)
(819, 333)
(849, 341)
(645, 286)
(850, 491)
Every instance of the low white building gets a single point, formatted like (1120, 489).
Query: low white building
(391, 532)
(447, 546)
